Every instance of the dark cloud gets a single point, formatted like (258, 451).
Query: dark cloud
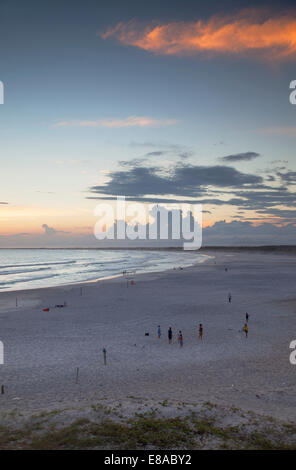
(182, 181)
(257, 200)
(212, 186)
(49, 230)
(270, 178)
(182, 154)
(244, 233)
(132, 163)
(218, 176)
(239, 157)
(3, 202)
(165, 148)
(288, 214)
(289, 177)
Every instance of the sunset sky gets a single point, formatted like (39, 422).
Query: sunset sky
(183, 101)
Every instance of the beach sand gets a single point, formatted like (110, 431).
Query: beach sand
(44, 349)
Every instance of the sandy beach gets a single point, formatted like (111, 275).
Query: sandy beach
(44, 349)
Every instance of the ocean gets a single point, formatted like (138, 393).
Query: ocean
(33, 268)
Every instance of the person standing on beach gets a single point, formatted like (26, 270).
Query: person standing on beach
(170, 335)
(158, 331)
(180, 339)
(247, 317)
(229, 297)
(246, 329)
(200, 331)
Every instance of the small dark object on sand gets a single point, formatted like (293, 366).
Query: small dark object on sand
(146, 334)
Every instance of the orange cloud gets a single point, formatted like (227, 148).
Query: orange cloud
(249, 32)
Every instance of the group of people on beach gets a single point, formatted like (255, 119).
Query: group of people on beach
(245, 329)
(180, 334)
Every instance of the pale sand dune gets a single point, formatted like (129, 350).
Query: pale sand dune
(43, 349)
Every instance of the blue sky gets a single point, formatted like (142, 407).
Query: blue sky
(69, 94)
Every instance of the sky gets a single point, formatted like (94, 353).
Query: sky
(181, 101)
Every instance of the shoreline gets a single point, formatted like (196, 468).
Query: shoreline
(104, 278)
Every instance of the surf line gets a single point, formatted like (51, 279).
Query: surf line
(116, 460)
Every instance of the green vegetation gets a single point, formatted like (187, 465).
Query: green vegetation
(99, 428)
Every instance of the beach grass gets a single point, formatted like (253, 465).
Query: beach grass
(104, 429)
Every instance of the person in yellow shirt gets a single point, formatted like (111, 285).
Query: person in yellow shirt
(246, 329)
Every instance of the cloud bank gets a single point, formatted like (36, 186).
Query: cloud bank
(235, 233)
(49, 231)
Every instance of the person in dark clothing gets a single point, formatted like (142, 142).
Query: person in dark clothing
(229, 297)
(170, 335)
(200, 330)
(247, 317)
